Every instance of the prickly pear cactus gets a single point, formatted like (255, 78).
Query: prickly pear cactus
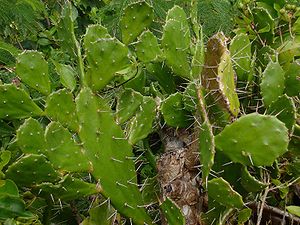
(32, 68)
(15, 103)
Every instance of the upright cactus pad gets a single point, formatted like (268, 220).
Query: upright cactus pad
(147, 47)
(141, 124)
(30, 170)
(105, 57)
(67, 76)
(60, 106)
(174, 113)
(176, 42)
(206, 139)
(221, 191)
(272, 84)
(250, 183)
(32, 68)
(218, 75)
(172, 213)
(292, 80)
(93, 33)
(110, 155)
(284, 109)
(240, 50)
(127, 105)
(63, 152)
(30, 137)
(137, 16)
(254, 139)
(15, 103)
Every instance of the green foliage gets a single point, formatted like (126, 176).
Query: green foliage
(172, 213)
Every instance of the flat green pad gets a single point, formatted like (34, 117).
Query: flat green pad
(272, 84)
(206, 139)
(128, 103)
(9, 187)
(240, 50)
(227, 84)
(15, 103)
(30, 170)
(105, 57)
(62, 150)
(285, 110)
(65, 31)
(250, 183)
(174, 113)
(110, 155)
(190, 98)
(67, 75)
(292, 79)
(141, 124)
(254, 139)
(32, 68)
(172, 213)
(136, 17)
(12, 207)
(176, 42)
(147, 47)
(69, 188)
(221, 191)
(93, 33)
(30, 137)
(60, 106)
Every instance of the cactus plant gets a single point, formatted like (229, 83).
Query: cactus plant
(172, 213)
(32, 68)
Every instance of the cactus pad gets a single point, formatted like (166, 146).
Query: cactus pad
(32, 68)
(128, 103)
(172, 213)
(292, 80)
(284, 109)
(254, 139)
(110, 155)
(141, 124)
(240, 50)
(176, 42)
(30, 137)
(137, 16)
(221, 191)
(93, 33)
(60, 106)
(67, 75)
(174, 113)
(272, 84)
(15, 103)
(250, 183)
(62, 151)
(30, 170)
(105, 57)
(147, 48)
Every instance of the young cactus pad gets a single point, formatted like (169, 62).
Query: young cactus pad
(292, 81)
(32, 68)
(220, 190)
(172, 213)
(30, 170)
(141, 125)
(147, 47)
(272, 84)
(110, 155)
(137, 16)
(60, 106)
(174, 113)
(127, 105)
(30, 137)
(254, 139)
(105, 57)
(67, 75)
(250, 183)
(15, 103)
(63, 152)
(93, 33)
(176, 42)
(240, 50)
